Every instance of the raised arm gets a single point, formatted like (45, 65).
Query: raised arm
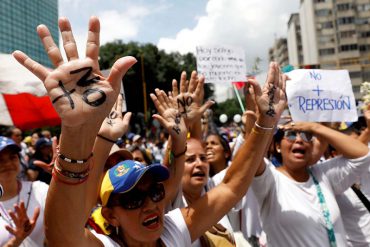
(209, 209)
(186, 103)
(82, 97)
(348, 146)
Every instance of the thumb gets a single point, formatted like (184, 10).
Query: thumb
(119, 69)
(206, 106)
(256, 87)
(161, 120)
(36, 214)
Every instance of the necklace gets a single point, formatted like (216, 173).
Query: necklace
(4, 214)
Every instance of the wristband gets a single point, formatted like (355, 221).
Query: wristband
(73, 161)
(263, 128)
(105, 138)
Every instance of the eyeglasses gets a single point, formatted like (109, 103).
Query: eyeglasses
(292, 135)
(135, 198)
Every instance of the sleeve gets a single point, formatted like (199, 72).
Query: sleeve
(342, 172)
(175, 232)
(264, 184)
(41, 190)
(238, 143)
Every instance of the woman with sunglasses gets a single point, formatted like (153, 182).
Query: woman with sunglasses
(83, 97)
(297, 199)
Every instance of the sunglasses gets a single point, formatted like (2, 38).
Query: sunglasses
(292, 135)
(135, 198)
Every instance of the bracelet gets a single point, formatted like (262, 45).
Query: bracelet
(79, 176)
(73, 161)
(258, 132)
(172, 156)
(180, 154)
(263, 128)
(69, 174)
(105, 138)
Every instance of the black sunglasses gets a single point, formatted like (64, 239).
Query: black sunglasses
(135, 198)
(292, 135)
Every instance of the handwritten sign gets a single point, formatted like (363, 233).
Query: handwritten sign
(220, 64)
(321, 96)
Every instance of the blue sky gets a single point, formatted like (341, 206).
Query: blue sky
(181, 25)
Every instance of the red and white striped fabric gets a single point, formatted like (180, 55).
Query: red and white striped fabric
(23, 99)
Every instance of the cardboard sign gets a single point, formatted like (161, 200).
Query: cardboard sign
(321, 96)
(221, 64)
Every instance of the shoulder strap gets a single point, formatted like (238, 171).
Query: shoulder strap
(361, 196)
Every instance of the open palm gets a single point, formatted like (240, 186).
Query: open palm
(77, 88)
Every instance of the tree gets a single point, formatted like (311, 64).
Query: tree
(159, 70)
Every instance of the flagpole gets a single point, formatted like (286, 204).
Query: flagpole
(239, 99)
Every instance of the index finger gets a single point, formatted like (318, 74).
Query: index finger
(35, 68)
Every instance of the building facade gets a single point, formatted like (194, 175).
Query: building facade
(18, 22)
(335, 34)
(295, 48)
(279, 52)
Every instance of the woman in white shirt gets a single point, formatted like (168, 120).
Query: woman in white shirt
(16, 229)
(84, 99)
(297, 200)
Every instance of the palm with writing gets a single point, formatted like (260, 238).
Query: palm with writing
(271, 99)
(190, 97)
(79, 92)
(169, 115)
(115, 124)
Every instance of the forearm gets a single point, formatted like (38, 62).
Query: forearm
(248, 161)
(174, 160)
(196, 130)
(365, 136)
(13, 242)
(348, 146)
(66, 204)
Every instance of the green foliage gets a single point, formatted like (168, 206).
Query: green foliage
(159, 70)
(229, 107)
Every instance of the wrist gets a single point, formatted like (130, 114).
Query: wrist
(77, 142)
(14, 242)
(265, 123)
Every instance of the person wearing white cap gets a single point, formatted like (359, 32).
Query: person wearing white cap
(20, 200)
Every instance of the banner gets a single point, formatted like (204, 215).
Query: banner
(321, 96)
(221, 64)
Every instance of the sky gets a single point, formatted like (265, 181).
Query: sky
(181, 25)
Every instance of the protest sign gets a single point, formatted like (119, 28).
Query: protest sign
(221, 64)
(321, 96)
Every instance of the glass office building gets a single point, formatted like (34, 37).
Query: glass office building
(18, 22)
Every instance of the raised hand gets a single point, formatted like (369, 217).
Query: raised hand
(190, 97)
(169, 116)
(77, 89)
(49, 167)
(23, 226)
(115, 125)
(271, 100)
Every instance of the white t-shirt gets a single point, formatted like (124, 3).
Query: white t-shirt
(175, 232)
(37, 197)
(244, 216)
(290, 211)
(356, 217)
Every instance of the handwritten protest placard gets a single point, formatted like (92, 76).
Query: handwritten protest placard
(221, 64)
(321, 96)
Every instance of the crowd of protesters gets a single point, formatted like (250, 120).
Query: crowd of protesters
(268, 182)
